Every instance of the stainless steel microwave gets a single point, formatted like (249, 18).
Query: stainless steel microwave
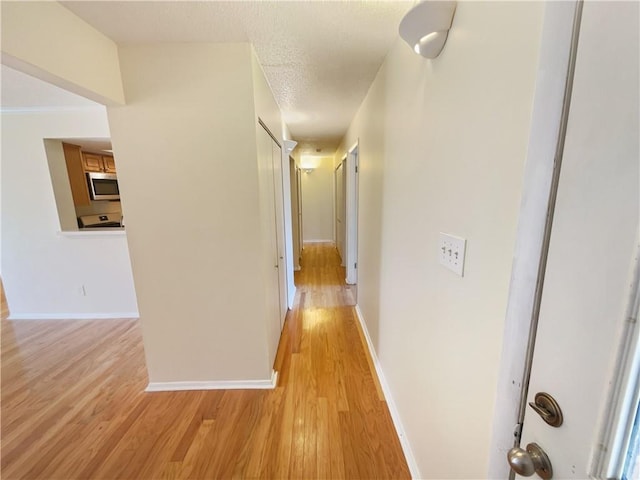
(103, 186)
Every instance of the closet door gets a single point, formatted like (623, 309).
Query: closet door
(271, 267)
(341, 212)
(278, 193)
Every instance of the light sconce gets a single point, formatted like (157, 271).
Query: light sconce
(289, 145)
(308, 163)
(426, 26)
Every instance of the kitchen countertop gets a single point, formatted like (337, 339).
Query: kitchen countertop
(95, 232)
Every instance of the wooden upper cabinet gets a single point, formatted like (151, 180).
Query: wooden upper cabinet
(109, 164)
(92, 162)
(75, 169)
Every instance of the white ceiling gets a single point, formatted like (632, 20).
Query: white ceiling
(319, 57)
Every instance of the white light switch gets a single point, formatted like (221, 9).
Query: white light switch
(451, 252)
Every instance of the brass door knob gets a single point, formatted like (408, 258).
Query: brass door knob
(530, 461)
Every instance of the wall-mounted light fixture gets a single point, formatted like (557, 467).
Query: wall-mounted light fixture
(426, 26)
(308, 163)
(289, 145)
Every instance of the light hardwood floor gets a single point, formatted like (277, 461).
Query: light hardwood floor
(73, 405)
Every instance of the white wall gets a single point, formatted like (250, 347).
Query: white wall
(318, 199)
(442, 149)
(43, 271)
(187, 137)
(61, 185)
(49, 42)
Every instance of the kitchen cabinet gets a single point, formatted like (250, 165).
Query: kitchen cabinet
(109, 164)
(93, 162)
(75, 169)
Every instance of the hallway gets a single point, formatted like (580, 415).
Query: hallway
(73, 404)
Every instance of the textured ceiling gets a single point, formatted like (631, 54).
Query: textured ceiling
(319, 57)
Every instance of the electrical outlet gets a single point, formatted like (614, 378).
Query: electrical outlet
(451, 252)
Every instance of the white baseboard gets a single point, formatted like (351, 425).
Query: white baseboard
(215, 385)
(73, 316)
(306, 242)
(393, 410)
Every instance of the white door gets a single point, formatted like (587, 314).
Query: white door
(351, 199)
(593, 240)
(276, 159)
(340, 211)
(269, 238)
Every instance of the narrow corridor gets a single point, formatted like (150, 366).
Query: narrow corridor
(348, 432)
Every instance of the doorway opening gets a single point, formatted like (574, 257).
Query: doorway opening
(296, 212)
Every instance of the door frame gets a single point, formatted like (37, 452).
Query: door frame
(300, 217)
(615, 429)
(295, 214)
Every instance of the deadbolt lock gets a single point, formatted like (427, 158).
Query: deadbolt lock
(547, 407)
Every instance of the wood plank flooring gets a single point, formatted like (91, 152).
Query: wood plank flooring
(73, 405)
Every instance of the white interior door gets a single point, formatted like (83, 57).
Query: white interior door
(340, 211)
(593, 240)
(269, 239)
(351, 199)
(276, 159)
